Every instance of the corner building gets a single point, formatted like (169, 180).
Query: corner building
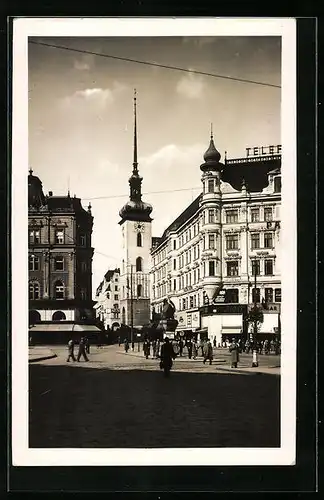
(226, 241)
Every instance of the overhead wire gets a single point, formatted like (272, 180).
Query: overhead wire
(150, 63)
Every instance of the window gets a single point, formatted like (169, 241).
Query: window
(116, 288)
(139, 264)
(174, 244)
(198, 274)
(183, 303)
(277, 294)
(231, 241)
(255, 267)
(139, 240)
(59, 237)
(277, 184)
(268, 267)
(211, 216)
(210, 186)
(232, 296)
(255, 240)
(34, 236)
(268, 240)
(33, 291)
(211, 241)
(59, 263)
(82, 240)
(255, 295)
(58, 316)
(139, 290)
(59, 290)
(83, 266)
(268, 214)
(115, 297)
(83, 294)
(174, 264)
(268, 295)
(191, 302)
(211, 268)
(174, 284)
(231, 216)
(255, 215)
(108, 295)
(33, 264)
(232, 268)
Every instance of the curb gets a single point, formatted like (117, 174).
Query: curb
(42, 358)
(246, 372)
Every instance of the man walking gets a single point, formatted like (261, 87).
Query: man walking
(208, 352)
(82, 350)
(70, 351)
(189, 348)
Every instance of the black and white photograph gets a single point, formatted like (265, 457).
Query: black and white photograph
(154, 242)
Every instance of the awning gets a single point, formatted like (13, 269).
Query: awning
(63, 327)
(229, 330)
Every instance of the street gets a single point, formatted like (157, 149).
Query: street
(122, 400)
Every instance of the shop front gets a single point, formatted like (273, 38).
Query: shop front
(224, 322)
(188, 324)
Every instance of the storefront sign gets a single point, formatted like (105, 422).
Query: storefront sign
(221, 296)
(268, 308)
(223, 309)
(193, 320)
(263, 150)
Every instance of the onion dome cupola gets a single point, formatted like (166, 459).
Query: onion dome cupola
(212, 157)
(36, 196)
(135, 209)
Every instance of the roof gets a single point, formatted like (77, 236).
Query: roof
(109, 274)
(181, 219)
(63, 327)
(254, 171)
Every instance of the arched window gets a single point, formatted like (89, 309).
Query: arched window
(139, 240)
(59, 290)
(34, 317)
(139, 290)
(58, 316)
(33, 291)
(139, 264)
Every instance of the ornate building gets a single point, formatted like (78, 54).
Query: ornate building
(108, 300)
(136, 245)
(60, 257)
(222, 253)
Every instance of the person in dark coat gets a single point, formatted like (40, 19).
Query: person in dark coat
(234, 350)
(70, 351)
(82, 350)
(214, 342)
(189, 347)
(167, 356)
(147, 348)
(208, 352)
(119, 340)
(87, 345)
(181, 347)
(194, 349)
(126, 345)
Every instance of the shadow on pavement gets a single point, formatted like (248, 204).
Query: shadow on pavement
(90, 408)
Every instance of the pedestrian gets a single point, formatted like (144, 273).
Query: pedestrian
(208, 352)
(154, 348)
(87, 345)
(194, 349)
(126, 345)
(234, 350)
(181, 347)
(214, 342)
(167, 357)
(146, 348)
(201, 346)
(189, 348)
(70, 351)
(82, 350)
(119, 340)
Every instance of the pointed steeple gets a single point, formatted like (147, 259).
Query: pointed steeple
(135, 164)
(211, 156)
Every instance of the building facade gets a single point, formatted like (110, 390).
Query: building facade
(136, 232)
(60, 257)
(222, 254)
(107, 299)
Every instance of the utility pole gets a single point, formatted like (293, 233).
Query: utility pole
(49, 255)
(255, 325)
(132, 306)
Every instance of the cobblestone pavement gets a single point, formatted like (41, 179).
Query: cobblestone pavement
(123, 400)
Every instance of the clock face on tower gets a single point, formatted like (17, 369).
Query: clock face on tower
(139, 227)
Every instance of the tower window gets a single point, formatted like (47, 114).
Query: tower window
(174, 244)
(174, 264)
(139, 264)
(211, 241)
(211, 216)
(59, 237)
(59, 290)
(33, 263)
(83, 240)
(139, 240)
(83, 294)
(210, 186)
(33, 291)
(211, 268)
(174, 284)
(139, 290)
(59, 263)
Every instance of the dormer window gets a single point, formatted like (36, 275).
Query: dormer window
(210, 186)
(277, 184)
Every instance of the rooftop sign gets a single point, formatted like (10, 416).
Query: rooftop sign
(263, 150)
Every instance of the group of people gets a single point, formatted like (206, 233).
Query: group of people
(83, 349)
(262, 346)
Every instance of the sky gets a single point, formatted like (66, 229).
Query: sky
(81, 120)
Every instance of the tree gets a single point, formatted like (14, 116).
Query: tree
(255, 318)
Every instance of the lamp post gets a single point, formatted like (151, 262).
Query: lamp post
(255, 362)
(132, 306)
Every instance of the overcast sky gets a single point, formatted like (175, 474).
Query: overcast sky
(81, 120)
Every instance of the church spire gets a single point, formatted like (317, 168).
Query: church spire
(135, 164)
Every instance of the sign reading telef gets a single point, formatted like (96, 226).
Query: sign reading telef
(264, 150)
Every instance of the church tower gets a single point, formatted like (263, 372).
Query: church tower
(136, 245)
(211, 229)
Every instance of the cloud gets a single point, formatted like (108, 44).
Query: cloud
(191, 86)
(97, 97)
(81, 65)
